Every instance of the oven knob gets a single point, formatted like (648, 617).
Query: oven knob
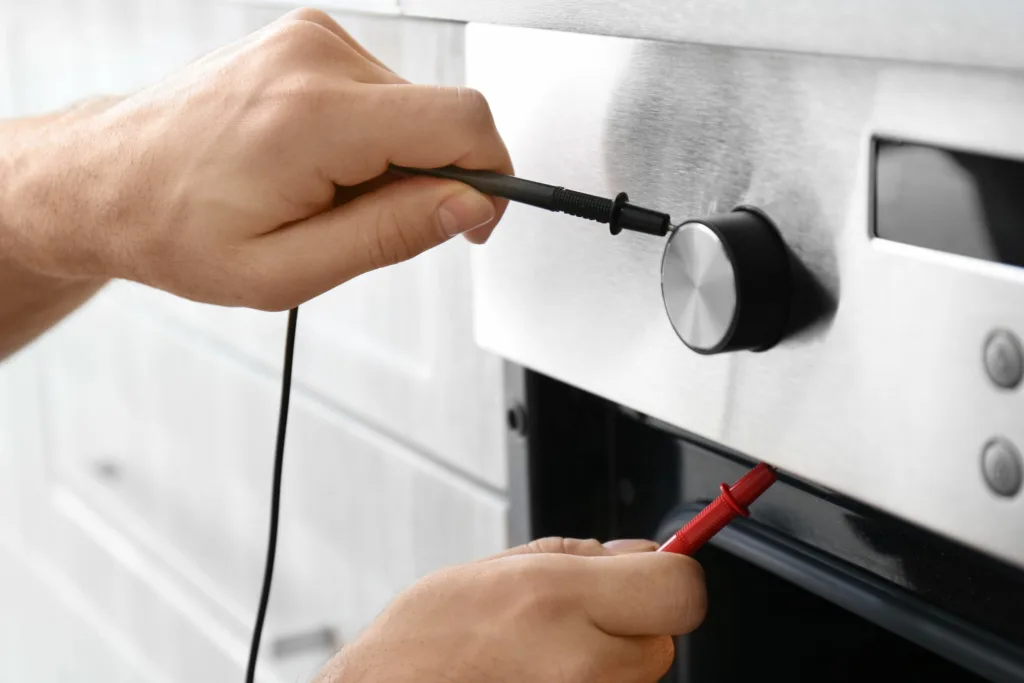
(725, 281)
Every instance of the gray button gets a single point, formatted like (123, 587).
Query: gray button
(1004, 360)
(1001, 465)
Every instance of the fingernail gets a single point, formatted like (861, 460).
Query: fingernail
(465, 211)
(623, 546)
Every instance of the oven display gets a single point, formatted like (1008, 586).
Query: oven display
(951, 201)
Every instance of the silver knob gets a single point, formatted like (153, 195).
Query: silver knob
(725, 281)
(699, 286)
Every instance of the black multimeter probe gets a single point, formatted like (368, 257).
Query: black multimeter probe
(618, 213)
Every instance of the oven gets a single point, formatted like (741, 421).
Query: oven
(842, 297)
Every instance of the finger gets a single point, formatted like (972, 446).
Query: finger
(392, 224)
(555, 544)
(589, 547)
(642, 594)
(623, 546)
(344, 194)
(323, 19)
(635, 659)
(416, 126)
(642, 659)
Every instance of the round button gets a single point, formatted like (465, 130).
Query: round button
(725, 281)
(1001, 465)
(1004, 359)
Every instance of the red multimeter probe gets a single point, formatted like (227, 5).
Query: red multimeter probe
(732, 502)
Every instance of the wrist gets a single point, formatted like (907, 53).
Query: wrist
(53, 188)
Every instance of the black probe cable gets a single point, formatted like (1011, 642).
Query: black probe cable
(618, 213)
(275, 495)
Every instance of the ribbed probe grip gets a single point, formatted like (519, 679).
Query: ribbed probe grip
(706, 524)
(582, 205)
(732, 502)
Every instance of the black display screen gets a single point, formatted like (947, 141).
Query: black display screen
(951, 201)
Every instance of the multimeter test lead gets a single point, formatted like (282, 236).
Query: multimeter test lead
(732, 502)
(618, 213)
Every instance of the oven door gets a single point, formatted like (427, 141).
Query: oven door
(811, 587)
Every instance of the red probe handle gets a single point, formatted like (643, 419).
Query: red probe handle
(733, 501)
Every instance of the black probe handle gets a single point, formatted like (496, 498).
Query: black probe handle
(495, 184)
(619, 214)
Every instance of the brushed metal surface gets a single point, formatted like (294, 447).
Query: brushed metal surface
(698, 284)
(881, 394)
(978, 32)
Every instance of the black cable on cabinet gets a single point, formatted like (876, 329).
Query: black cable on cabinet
(275, 495)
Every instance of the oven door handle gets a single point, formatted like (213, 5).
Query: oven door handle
(865, 595)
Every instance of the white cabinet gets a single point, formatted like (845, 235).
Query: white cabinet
(160, 456)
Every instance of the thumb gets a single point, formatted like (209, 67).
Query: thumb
(380, 228)
(642, 594)
(409, 216)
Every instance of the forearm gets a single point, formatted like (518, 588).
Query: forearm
(31, 299)
(30, 304)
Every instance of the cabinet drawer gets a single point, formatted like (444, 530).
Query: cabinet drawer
(170, 445)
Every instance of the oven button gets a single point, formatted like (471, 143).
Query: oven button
(1004, 360)
(725, 281)
(1001, 465)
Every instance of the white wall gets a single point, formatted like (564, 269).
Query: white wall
(136, 439)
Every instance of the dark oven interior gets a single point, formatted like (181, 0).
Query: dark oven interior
(812, 587)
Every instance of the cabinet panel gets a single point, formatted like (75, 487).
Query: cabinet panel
(41, 619)
(168, 445)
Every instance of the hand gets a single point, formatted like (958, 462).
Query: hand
(555, 611)
(256, 176)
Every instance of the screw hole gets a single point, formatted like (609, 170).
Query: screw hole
(516, 419)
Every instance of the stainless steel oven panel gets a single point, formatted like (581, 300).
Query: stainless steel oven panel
(977, 32)
(886, 400)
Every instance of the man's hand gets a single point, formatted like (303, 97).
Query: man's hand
(256, 176)
(555, 611)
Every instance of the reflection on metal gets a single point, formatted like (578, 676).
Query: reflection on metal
(883, 398)
(699, 286)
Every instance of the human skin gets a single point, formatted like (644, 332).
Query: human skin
(258, 176)
(554, 611)
(255, 176)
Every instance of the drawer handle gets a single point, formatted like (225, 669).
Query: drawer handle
(305, 641)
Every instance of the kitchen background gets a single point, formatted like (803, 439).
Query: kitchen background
(136, 439)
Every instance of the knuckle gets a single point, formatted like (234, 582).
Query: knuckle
(475, 106)
(588, 547)
(298, 41)
(567, 546)
(549, 544)
(311, 14)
